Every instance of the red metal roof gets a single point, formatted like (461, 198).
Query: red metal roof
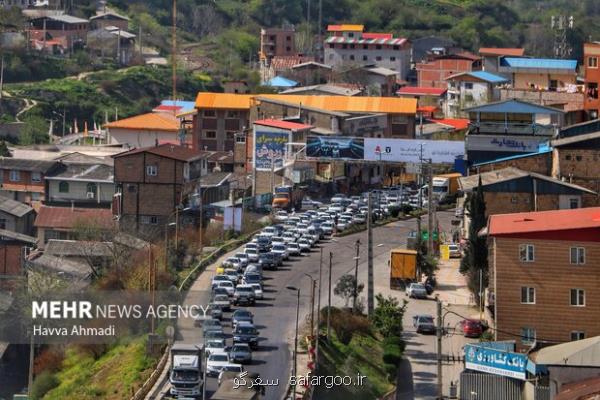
(456, 123)
(287, 62)
(377, 36)
(277, 123)
(544, 221)
(181, 153)
(421, 91)
(68, 218)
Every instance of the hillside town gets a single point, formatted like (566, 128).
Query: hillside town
(407, 217)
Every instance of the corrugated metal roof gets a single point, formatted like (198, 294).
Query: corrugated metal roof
(579, 353)
(67, 217)
(167, 150)
(421, 91)
(382, 41)
(78, 248)
(13, 207)
(480, 75)
(514, 106)
(372, 35)
(83, 172)
(539, 63)
(382, 71)
(501, 51)
(326, 88)
(10, 235)
(345, 27)
(69, 19)
(516, 157)
(155, 121)
(280, 81)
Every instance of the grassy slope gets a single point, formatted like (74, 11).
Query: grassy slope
(115, 375)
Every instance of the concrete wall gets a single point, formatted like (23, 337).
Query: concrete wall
(542, 164)
(387, 57)
(460, 97)
(571, 101)
(140, 138)
(522, 80)
(78, 192)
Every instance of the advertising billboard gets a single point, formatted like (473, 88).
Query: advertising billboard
(335, 147)
(409, 150)
(497, 362)
(505, 143)
(270, 146)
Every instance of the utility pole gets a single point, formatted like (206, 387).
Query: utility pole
(429, 209)
(2, 76)
(329, 300)
(174, 51)
(140, 41)
(31, 361)
(439, 347)
(481, 300)
(370, 283)
(312, 307)
(420, 179)
(357, 244)
(319, 312)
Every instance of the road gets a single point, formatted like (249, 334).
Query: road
(275, 315)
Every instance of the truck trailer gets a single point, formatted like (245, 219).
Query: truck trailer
(403, 267)
(287, 198)
(186, 370)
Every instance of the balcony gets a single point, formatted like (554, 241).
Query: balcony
(512, 128)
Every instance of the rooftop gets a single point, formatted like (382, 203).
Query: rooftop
(83, 172)
(579, 390)
(501, 51)
(373, 35)
(223, 157)
(326, 88)
(78, 248)
(479, 76)
(579, 353)
(456, 123)
(68, 218)
(26, 164)
(78, 272)
(514, 106)
(154, 121)
(287, 62)
(14, 236)
(382, 71)
(108, 14)
(421, 91)
(280, 81)
(575, 139)
(214, 179)
(172, 151)
(13, 207)
(364, 40)
(68, 19)
(277, 123)
(345, 27)
(539, 63)
(544, 221)
(311, 64)
(544, 150)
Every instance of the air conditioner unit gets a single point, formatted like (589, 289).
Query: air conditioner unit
(90, 195)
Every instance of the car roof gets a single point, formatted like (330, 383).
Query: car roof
(423, 316)
(247, 324)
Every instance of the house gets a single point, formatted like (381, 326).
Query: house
(491, 57)
(16, 216)
(67, 30)
(508, 128)
(422, 47)
(380, 81)
(539, 162)
(13, 249)
(76, 275)
(152, 183)
(434, 71)
(426, 96)
(6, 4)
(145, 129)
(543, 279)
(81, 181)
(311, 73)
(282, 65)
(112, 41)
(591, 55)
(514, 190)
(323, 90)
(532, 73)
(349, 44)
(470, 89)
(63, 222)
(23, 179)
(277, 42)
(109, 19)
(234, 87)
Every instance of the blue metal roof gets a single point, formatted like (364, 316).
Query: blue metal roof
(545, 63)
(185, 105)
(280, 81)
(487, 76)
(514, 107)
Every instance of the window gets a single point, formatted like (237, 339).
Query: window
(230, 135)
(36, 196)
(365, 46)
(2, 223)
(378, 47)
(288, 38)
(568, 157)
(344, 46)
(527, 295)
(352, 46)
(592, 90)
(468, 85)
(527, 335)
(36, 177)
(578, 297)
(131, 188)
(91, 190)
(232, 114)
(392, 58)
(396, 47)
(578, 158)
(378, 58)
(288, 49)
(63, 187)
(240, 139)
(553, 84)
(526, 253)
(573, 203)
(577, 335)
(352, 57)
(331, 46)
(151, 170)
(149, 219)
(351, 34)
(209, 113)
(578, 255)
(592, 62)
(365, 58)
(15, 176)
(210, 134)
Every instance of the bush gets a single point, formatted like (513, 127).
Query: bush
(392, 371)
(392, 354)
(407, 208)
(42, 384)
(393, 340)
(345, 325)
(394, 211)
(49, 360)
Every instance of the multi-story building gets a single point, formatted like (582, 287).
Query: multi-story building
(62, 28)
(146, 129)
(591, 57)
(23, 179)
(109, 19)
(543, 276)
(539, 73)
(491, 57)
(277, 42)
(470, 89)
(152, 182)
(348, 45)
(434, 71)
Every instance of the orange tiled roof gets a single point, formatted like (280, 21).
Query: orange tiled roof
(156, 121)
(345, 27)
(502, 51)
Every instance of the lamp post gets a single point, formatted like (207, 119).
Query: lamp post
(355, 294)
(313, 282)
(297, 290)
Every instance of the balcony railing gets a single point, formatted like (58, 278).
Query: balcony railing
(512, 128)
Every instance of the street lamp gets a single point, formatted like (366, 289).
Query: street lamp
(296, 336)
(312, 302)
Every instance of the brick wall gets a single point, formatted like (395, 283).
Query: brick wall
(504, 203)
(10, 259)
(571, 101)
(552, 276)
(542, 164)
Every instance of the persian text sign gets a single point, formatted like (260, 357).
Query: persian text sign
(497, 362)
(270, 147)
(411, 150)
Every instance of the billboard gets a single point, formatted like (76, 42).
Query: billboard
(335, 147)
(497, 362)
(410, 150)
(504, 143)
(365, 125)
(270, 146)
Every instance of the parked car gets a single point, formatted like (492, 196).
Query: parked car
(416, 290)
(472, 328)
(454, 250)
(244, 294)
(241, 353)
(424, 323)
(215, 363)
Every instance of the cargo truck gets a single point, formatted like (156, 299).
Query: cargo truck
(287, 198)
(186, 370)
(445, 187)
(403, 267)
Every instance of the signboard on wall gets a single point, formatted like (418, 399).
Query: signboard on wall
(497, 362)
(517, 144)
(270, 146)
(411, 150)
(366, 124)
(335, 147)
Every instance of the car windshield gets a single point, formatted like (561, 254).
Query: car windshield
(233, 368)
(418, 286)
(245, 289)
(185, 376)
(220, 278)
(246, 330)
(221, 297)
(218, 357)
(256, 286)
(426, 320)
(226, 284)
(242, 313)
(279, 247)
(239, 348)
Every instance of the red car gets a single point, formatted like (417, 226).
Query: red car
(472, 328)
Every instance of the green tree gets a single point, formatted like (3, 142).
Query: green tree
(345, 288)
(387, 318)
(475, 263)
(4, 151)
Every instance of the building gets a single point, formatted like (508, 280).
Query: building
(539, 162)
(491, 57)
(109, 19)
(112, 41)
(591, 55)
(543, 280)
(282, 65)
(13, 249)
(152, 183)
(426, 96)
(423, 47)
(434, 71)
(349, 44)
(277, 42)
(80, 181)
(323, 90)
(539, 73)
(145, 130)
(311, 73)
(67, 30)
(514, 190)
(470, 89)
(64, 222)
(17, 3)
(16, 216)
(509, 128)
(23, 179)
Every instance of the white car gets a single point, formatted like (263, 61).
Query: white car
(215, 346)
(281, 216)
(215, 363)
(217, 279)
(233, 262)
(237, 368)
(302, 228)
(252, 253)
(289, 237)
(281, 249)
(336, 208)
(227, 285)
(243, 258)
(327, 227)
(416, 290)
(338, 198)
(269, 231)
(360, 218)
(342, 224)
(304, 244)
(277, 240)
(258, 291)
(293, 249)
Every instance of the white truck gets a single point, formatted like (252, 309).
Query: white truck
(444, 187)
(186, 370)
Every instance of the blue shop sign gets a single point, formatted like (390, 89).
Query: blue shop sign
(495, 362)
